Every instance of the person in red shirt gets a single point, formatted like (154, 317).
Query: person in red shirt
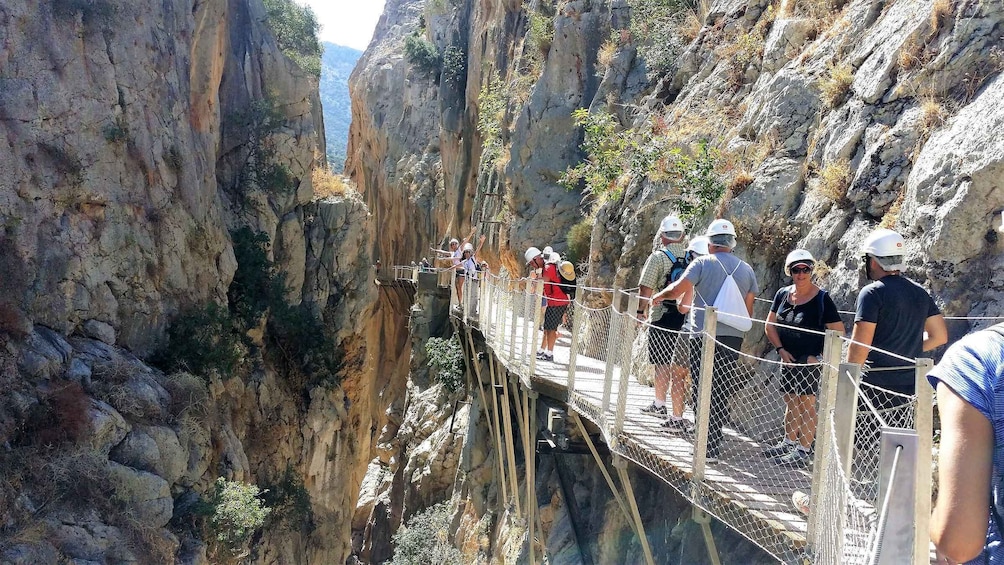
(557, 303)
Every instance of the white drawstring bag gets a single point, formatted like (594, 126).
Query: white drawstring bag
(731, 304)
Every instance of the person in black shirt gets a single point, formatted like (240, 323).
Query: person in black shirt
(893, 314)
(801, 305)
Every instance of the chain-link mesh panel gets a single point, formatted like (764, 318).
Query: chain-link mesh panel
(877, 408)
(847, 523)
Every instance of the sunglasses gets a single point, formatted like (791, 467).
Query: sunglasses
(800, 270)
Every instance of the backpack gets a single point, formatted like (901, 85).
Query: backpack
(675, 271)
(731, 304)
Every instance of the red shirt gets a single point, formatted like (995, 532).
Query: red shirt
(555, 294)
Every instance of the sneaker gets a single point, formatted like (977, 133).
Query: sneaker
(546, 357)
(656, 410)
(801, 501)
(674, 424)
(798, 458)
(780, 450)
(541, 355)
(714, 455)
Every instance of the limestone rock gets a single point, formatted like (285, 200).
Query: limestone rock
(146, 496)
(100, 331)
(154, 449)
(107, 427)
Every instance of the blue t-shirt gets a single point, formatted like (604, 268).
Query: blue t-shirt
(899, 308)
(974, 368)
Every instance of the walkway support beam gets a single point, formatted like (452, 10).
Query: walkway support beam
(704, 519)
(510, 444)
(832, 350)
(621, 465)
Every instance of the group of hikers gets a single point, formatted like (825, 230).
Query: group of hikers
(895, 319)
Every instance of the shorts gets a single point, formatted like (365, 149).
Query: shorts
(667, 347)
(552, 317)
(801, 380)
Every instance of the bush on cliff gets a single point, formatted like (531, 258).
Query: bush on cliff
(425, 538)
(422, 54)
(295, 28)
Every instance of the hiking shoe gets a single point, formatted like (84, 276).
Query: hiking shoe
(801, 501)
(780, 450)
(655, 410)
(798, 458)
(678, 425)
(546, 357)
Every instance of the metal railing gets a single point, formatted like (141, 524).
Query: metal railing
(868, 442)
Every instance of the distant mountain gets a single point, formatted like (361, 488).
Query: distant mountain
(336, 65)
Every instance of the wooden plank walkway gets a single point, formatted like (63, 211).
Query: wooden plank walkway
(744, 490)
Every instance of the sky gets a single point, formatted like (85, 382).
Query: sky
(347, 22)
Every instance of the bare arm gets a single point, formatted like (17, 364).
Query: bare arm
(965, 461)
(749, 303)
(937, 333)
(673, 291)
(775, 339)
(861, 337)
(836, 326)
(686, 301)
(644, 293)
(481, 243)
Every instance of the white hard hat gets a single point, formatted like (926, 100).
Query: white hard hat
(699, 245)
(547, 251)
(888, 247)
(552, 257)
(671, 223)
(454, 241)
(721, 227)
(798, 256)
(531, 254)
(468, 247)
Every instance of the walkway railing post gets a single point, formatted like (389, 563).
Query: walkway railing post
(826, 402)
(625, 364)
(513, 320)
(703, 407)
(537, 320)
(613, 332)
(573, 350)
(924, 424)
(529, 333)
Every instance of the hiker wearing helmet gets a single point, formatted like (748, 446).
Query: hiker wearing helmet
(802, 305)
(469, 269)
(893, 314)
(727, 282)
(555, 298)
(464, 257)
(667, 348)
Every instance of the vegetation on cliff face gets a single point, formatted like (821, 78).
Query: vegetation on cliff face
(295, 27)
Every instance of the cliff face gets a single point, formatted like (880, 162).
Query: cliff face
(823, 120)
(138, 139)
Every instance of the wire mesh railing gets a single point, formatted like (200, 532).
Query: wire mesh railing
(741, 433)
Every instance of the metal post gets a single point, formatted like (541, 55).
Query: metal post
(704, 519)
(512, 329)
(703, 407)
(531, 503)
(825, 400)
(924, 424)
(529, 333)
(611, 359)
(573, 350)
(510, 445)
(894, 538)
(465, 299)
(844, 418)
(537, 320)
(498, 431)
(625, 376)
(621, 465)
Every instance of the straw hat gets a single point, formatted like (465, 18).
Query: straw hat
(567, 270)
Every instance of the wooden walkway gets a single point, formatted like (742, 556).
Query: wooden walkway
(743, 486)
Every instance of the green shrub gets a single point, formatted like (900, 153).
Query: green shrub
(254, 126)
(253, 286)
(237, 512)
(655, 25)
(698, 180)
(92, 12)
(295, 28)
(290, 503)
(116, 132)
(541, 33)
(425, 538)
(422, 54)
(303, 343)
(579, 239)
(446, 358)
(606, 149)
(454, 67)
(491, 114)
(202, 340)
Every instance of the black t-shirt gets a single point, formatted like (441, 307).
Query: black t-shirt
(813, 315)
(899, 308)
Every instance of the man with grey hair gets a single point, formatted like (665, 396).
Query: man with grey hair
(708, 276)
